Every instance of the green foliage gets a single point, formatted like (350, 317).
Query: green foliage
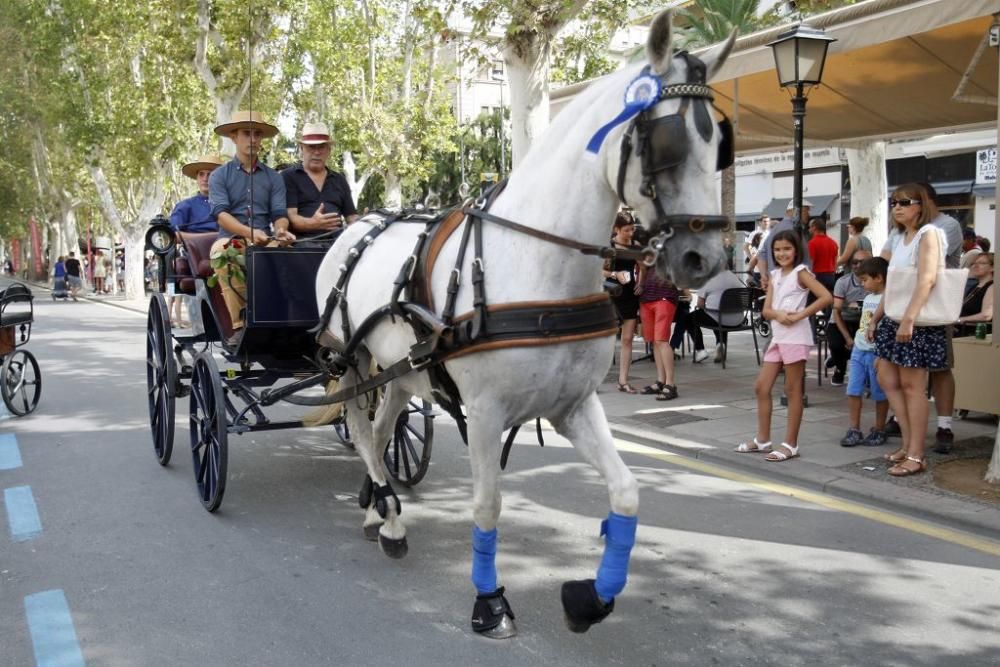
(233, 257)
(711, 21)
(480, 151)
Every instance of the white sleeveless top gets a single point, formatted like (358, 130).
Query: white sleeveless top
(904, 254)
(791, 297)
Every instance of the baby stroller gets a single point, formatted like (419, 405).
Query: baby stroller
(59, 289)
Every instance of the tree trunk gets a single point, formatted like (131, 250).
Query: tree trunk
(354, 181)
(869, 190)
(393, 190)
(729, 192)
(528, 69)
(134, 237)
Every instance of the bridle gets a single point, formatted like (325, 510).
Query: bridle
(662, 143)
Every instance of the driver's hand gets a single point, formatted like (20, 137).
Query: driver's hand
(284, 237)
(260, 237)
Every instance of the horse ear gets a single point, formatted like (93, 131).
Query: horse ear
(715, 57)
(658, 46)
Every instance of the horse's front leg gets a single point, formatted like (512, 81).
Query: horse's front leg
(491, 614)
(589, 601)
(385, 507)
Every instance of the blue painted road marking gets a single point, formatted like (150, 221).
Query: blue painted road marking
(22, 513)
(4, 414)
(52, 632)
(10, 455)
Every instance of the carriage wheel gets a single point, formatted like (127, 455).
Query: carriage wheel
(209, 440)
(409, 452)
(22, 382)
(161, 379)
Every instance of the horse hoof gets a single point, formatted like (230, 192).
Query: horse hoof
(582, 606)
(392, 548)
(371, 531)
(504, 630)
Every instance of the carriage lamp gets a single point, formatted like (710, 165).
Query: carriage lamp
(799, 57)
(160, 235)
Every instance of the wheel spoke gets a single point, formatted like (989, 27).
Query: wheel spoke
(419, 435)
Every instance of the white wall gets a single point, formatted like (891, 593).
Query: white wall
(753, 193)
(821, 183)
(985, 219)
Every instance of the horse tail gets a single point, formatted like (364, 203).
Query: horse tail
(325, 414)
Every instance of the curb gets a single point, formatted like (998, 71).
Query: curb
(84, 297)
(914, 503)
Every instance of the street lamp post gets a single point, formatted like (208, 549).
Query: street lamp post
(799, 57)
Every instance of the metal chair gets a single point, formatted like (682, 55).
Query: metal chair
(737, 301)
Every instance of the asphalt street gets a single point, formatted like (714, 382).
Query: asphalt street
(727, 569)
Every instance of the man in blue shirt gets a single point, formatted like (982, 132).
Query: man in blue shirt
(194, 214)
(248, 201)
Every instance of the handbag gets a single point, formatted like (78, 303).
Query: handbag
(944, 303)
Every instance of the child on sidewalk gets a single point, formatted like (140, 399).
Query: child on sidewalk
(792, 340)
(861, 367)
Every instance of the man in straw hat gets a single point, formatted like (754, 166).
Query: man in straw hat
(319, 199)
(248, 200)
(194, 214)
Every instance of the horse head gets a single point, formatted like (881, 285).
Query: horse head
(669, 155)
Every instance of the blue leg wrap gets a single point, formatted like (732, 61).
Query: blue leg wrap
(484, 560)
(619, 536)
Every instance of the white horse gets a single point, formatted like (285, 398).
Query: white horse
(557, 190)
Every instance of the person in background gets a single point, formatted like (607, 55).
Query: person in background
(318, 198)
(906, 352)
(872, 273)
(73, 275)
(765, 262)
(942, 380)
(789, 286)
(623, 272)
(856, 240)
(823, 251)
(59, 273)
(657, 305)
(706, 313)
(683, 324)
(100, 272)
(970, 248)
(848, 295)
(977, 306)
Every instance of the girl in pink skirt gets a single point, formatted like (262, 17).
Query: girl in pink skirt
(792, 340)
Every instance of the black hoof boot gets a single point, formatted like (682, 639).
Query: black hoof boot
(492, 616)
(392, 548)
(371, 531)
(582, 605)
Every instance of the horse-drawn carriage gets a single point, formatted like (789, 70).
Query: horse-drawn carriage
(20, 379)
(273, 358)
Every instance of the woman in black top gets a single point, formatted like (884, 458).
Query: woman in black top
(623, 271)
(978, 303)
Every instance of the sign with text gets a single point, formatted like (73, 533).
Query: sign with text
(986, 166)
(785, 160)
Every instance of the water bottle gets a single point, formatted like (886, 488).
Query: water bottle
(981, 331)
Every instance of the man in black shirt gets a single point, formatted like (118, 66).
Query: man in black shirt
(73, 275)
(319, 199)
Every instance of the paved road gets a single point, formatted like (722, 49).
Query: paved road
(727, 570)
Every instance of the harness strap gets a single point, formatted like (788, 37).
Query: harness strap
(478, 288)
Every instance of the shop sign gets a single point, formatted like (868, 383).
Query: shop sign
(986, 166)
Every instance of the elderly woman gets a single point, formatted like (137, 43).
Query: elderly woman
(978, 303)
(906, 352)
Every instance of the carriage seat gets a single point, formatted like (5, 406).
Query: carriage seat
(16, 293)
(196, 264)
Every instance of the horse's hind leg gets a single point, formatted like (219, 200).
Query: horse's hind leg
(591, 600)
(491, 614)
(377, 497)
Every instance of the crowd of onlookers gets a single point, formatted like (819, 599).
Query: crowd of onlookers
(813, 288)
(70, 274)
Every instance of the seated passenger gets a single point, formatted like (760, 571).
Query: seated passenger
(234, 188)
(194, 214)
(319, 199)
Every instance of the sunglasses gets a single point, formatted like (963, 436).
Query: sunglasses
(893, 203)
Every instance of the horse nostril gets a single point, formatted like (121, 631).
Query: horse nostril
(693, 263)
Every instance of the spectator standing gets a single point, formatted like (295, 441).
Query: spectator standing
(824, 251)
(657, 305)
(848, 295)
(792, 340)
(856, 240)
(623, 272)
(73, 272)
(765, 262)
(100, 272)
(906, 352)
(872, 273)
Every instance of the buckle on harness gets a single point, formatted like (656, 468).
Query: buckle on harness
(422, 353)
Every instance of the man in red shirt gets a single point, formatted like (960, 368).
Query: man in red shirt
(823, 251)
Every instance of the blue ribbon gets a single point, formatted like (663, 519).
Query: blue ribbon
(633, 107)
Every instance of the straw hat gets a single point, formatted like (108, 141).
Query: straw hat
(209, 162)
(246, 119)
(315, 133)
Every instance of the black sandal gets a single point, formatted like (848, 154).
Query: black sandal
(626, 388)
(654, 388)
(669, 393)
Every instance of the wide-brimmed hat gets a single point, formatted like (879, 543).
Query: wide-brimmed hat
(209, 162)
(246, 119)
(314, 134)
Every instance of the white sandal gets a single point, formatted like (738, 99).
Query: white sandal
(755, 448)
(777, 456)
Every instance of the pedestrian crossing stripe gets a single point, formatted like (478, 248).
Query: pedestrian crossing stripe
(10, 455)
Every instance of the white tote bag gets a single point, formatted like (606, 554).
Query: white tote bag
(944, 304)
